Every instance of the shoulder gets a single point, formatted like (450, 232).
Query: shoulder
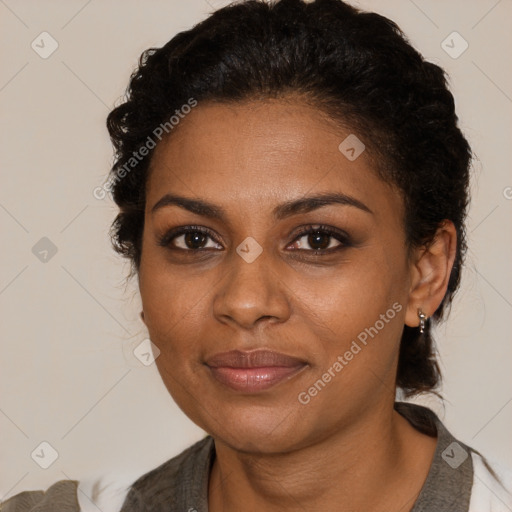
(492, 485)
(478, 484)
(61, 495)
(175, 466)
(173, 480)
(112, 494)
(100, 492)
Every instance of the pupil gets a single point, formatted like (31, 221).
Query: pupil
(316, 239)
(191, 239)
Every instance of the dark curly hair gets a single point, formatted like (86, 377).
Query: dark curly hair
(358, 68)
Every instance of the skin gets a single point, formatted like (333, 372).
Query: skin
(347, 449)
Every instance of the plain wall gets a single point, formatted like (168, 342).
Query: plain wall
(68, 374)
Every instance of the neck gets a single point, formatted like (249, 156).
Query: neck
(377, 464)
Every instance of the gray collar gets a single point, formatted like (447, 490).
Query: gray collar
(450, 478)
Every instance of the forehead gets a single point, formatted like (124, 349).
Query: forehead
(262, 153)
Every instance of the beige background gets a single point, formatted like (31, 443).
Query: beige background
(68, 373)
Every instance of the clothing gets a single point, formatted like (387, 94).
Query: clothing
(458, 481)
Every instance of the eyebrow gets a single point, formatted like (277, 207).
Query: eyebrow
(303, 205)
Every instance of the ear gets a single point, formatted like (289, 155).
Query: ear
(431, 267)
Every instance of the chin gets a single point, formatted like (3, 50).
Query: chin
(263, 432)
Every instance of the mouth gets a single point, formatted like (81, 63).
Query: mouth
(255, 371)
(253, 380)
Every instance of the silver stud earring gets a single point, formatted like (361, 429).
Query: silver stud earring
(422, 318)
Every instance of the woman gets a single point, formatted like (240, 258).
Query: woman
(293, 187)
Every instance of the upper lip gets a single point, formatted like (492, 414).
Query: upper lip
(253, 359)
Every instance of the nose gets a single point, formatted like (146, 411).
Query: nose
(251, 293)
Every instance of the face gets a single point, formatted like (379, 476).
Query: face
(251, 276)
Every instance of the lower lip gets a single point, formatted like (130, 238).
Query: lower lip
(252, 380)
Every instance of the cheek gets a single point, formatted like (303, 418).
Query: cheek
(174, 304)
(356, 313)
(358, 333)
(174, 312)
(353, 296)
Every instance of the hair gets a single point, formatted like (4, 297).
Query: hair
(358, 68)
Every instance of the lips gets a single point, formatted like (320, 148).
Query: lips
(253, 359)
(254, 371)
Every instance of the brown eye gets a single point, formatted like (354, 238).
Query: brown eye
(190, 239)
(321, 239)
(194, 240)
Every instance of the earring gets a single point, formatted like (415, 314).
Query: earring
(423, 319)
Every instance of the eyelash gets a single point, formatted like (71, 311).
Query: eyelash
(339, 235)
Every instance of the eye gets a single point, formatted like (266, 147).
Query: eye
(322, 239)
(189, 238)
